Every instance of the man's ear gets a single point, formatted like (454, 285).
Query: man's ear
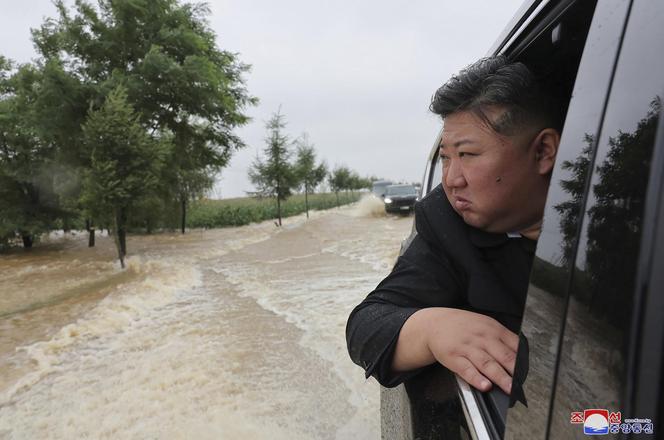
(545, 146)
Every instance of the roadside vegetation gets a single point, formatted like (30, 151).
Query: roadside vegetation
(129, 109)
(281, 171)
(124, 120)
(242, 211)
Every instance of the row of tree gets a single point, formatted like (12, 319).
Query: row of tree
(127, 114)
(278, 173)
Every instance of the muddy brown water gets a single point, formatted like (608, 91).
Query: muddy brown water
(217, 334)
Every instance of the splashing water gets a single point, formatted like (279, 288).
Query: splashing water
(227, 333)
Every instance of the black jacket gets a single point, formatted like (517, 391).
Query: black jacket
(448, 264)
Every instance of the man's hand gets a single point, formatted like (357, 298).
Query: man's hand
(474, 346)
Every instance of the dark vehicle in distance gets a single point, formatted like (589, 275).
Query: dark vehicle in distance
(379, 186)
(400, 198)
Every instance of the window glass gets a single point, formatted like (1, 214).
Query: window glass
(401, 190)
(592, 362)
(545, 303)
(437, 175)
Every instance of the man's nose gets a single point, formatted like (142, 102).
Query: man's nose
(453, 175)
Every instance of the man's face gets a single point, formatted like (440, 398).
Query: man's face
(491, 180)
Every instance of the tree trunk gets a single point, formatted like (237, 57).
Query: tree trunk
(121, 234)
(337, 194)
(183, 205)
(91, 232)
(279, 210)
(279, 201)
(306, 199)
(27, 241)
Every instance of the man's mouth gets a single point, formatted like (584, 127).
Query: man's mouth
(461, 204)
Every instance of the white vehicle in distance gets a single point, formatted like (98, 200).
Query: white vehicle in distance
(378, 188)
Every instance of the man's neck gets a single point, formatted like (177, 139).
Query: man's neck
(532, 232)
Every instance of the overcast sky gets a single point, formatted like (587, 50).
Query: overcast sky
(357, 76)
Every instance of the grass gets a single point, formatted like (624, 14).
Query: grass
(244, 210)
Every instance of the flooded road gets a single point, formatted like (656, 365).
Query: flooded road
(218, 334)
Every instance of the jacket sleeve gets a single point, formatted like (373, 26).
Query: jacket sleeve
(422, 277)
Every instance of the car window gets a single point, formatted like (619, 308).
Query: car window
(545, 304)
(437, 174)
(401, 190)
(595, 344)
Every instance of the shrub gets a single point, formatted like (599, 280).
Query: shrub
(242, 211)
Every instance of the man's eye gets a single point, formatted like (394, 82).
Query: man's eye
(466, 154)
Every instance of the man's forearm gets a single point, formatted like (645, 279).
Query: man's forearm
(412, 350)
(472, 345)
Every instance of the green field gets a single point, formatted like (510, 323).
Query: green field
(244, 210)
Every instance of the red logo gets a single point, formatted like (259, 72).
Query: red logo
(576, 417)
(615, 418)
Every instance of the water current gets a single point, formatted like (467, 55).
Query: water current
(216, 334)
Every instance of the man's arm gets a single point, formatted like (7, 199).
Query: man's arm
(416, 310)
(418, 280)
(474, 346)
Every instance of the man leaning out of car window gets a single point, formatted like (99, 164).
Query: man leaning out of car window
(456, 295)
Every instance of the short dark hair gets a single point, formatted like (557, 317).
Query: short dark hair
(493, 82)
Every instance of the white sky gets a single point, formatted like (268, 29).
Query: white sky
(357, 76)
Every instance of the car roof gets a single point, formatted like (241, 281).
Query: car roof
(516, 24)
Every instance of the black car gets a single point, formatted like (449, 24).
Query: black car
(400, 198)
(594, 315)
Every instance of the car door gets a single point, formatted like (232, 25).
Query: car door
(598, 373)
(553, 263)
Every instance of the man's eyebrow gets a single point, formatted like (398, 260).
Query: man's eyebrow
(458, 143)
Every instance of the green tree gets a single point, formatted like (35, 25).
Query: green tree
(124, 164)
(339, 179)
(356, 183)
(178, 82)
(275, 176)
(28, 200)
(308, 173)
(59, 105)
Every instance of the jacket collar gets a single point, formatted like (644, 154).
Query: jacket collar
(483, 239)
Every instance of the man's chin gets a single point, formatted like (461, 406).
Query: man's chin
(472, 219)
(478, 222)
